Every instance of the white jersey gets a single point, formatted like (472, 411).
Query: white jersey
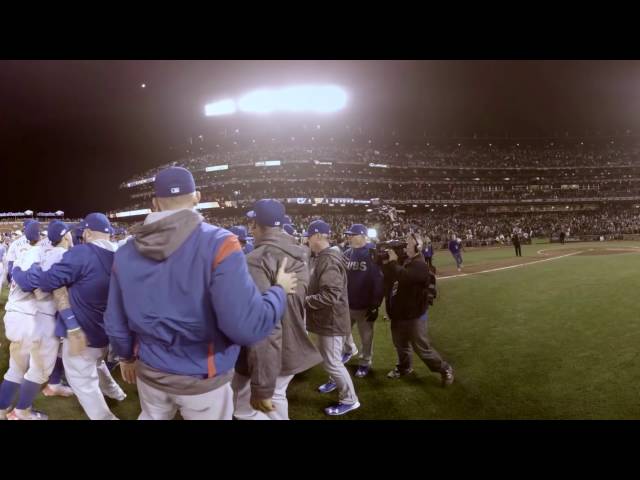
(15, 247)
(19, 300)
(44, 243)
(48, 257)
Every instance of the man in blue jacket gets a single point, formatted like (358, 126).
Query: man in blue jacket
(182, 302)
(365, 288)
(80, 286)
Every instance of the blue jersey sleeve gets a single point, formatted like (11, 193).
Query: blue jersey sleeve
(28, 280)
(116, 323)
(65, 272)
(244, 315)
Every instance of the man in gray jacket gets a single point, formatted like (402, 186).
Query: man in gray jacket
(264, 370)
(328, 314)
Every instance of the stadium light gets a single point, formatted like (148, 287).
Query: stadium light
(223, 107)
(372, 233)
(303, 98)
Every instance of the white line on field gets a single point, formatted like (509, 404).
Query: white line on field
(507, 268)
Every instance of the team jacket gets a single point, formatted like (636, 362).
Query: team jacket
(327, 302)
(365, 280)
(428, 252)
(181, 293)
(288, 350)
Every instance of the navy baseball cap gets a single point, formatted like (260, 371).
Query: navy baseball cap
(357, 229)
(56, 230)
(27, 222)
(173, 182)
(268, 213)
(32, 231)
(240, 231)
(287, 220)
(318, 226)
(97, 222)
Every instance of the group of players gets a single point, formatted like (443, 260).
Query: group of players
(201, 320)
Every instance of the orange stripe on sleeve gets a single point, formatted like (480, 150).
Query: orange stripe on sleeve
(211, 366)
(229, 245)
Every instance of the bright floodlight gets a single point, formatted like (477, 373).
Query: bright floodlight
(223, 107)
(372, 233)
(304, 98)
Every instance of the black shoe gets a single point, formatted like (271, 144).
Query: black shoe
(447, 376)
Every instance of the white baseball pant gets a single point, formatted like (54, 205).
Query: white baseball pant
(242, 399)
(18, 328)
(331, 350)
(90, 380)
(158, 405)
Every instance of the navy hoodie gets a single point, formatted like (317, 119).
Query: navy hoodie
(365, 280)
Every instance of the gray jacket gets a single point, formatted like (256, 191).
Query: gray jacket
(288, 350)
(328, 302)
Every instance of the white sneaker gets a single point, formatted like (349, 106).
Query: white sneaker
(120, 397)
(57, 390)
(28, 414)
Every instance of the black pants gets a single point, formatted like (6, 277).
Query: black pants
(518, 250)
(413, 333)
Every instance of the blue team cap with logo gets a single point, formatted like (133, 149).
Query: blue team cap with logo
(357, 229)
(97, 222)
(56, 230)
(318, 226)
(268, 213)
(173, 182)
(32, 231)
(239, 231)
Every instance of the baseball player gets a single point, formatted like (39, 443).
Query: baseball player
(23, 377)
(263, 371)
(327, 307)
(3, 252)
(181, 303)
(456, 249)
(44, 342)
(17, 245)
(85, 271)
(366, 290)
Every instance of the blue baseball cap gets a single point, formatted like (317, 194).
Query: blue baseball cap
(173, 182)
(318, 226)
(287, 220)
(288, 228)
(56, 230)
(27, 222)
(268, 213)
(357, 229)
(32, 231)
(240, 231)
(97, 222)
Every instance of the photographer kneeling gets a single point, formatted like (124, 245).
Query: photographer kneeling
(407, 304)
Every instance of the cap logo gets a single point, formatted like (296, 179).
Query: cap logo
(175, 190)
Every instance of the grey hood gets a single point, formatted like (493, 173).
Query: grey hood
(159, 239)
(284, 242)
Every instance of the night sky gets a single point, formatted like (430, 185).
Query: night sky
(72, 131)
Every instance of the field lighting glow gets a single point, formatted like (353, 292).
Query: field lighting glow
(301, 98)
(223, 107)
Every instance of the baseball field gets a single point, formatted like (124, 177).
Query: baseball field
(554, 334)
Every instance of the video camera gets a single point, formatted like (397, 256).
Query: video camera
(379, 253)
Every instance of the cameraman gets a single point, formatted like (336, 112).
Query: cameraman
(407, 303)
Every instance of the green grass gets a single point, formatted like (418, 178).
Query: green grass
(554, 340)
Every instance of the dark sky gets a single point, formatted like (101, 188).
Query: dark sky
(72, 131)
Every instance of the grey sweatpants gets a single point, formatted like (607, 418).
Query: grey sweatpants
(413, 333)
(331, 350)
(365, 329)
